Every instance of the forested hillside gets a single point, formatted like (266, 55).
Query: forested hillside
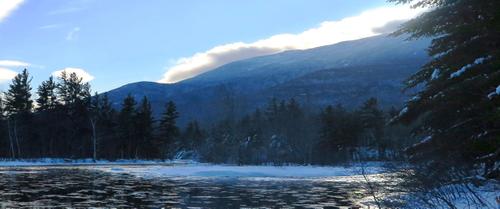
(346, 73)
(68, 122)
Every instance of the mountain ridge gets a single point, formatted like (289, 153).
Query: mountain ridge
(380, 62)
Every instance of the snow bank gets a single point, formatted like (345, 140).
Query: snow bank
(209, 170)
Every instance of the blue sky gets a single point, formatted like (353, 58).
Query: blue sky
(114, 42)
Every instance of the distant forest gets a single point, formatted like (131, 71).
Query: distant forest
(67, 121)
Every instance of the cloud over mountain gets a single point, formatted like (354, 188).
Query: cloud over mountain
(368, 23)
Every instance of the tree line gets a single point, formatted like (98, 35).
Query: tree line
(67, 121)
(284, 131)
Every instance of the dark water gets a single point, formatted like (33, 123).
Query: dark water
(81, 187)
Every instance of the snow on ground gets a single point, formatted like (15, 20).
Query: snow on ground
(488, 193)
(159, 168)
(210, 170)
(88, 161)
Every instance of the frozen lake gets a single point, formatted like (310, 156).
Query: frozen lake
(152, 186)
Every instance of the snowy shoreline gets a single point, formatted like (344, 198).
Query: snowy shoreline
(210, 170)
(76, 162)
(160, 168)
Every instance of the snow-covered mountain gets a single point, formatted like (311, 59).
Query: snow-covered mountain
(348, 73)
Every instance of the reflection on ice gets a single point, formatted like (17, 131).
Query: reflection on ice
(106, 186)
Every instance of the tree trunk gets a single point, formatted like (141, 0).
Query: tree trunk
(11, 141)
(17, 139)
(94, 138)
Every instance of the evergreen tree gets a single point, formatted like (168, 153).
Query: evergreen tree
(18, 97)
(458, 108)
(193, 136)
(75, 97)
(168, 128)
(272, 110)
(106, 110)
(71, 89)
(373, 122)
(47, 121)
(126, 127)
(106, 122)
(144, 130)
(18, 105)
(47, 99)
(339, 135)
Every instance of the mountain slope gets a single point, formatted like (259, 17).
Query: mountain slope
(347, 73)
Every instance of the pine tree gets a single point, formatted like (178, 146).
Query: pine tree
(18, 97)
(46, 119)
(71, 89)
(106, 109)
(373, 122)
(339, 134)
(18, 105)
(193, 136)
(74, 95)
(144, 129)
(168, 128)
(47, 99)
(458, 107)
(272, 110)
(126, 127)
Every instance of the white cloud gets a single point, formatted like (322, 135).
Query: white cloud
(50, 26)
(13, 63)
(86, 77)
(330, 32)
(72, 34)
(7, 7)
(6, 75)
